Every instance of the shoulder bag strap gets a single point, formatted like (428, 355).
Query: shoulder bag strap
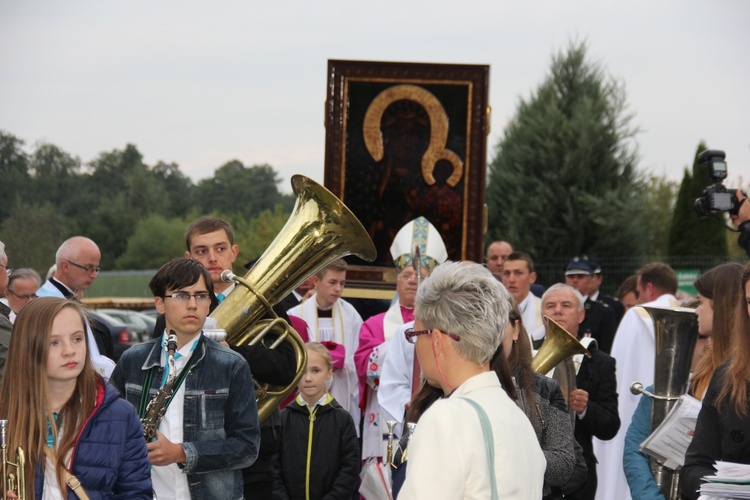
(72, 481)
(489, 443)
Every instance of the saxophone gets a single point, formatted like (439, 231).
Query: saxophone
(158, 404)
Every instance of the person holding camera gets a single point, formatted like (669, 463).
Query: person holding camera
(717, 198)
(742, 221)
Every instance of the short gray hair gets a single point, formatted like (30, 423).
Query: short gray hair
(70, 248)
(468, 301)
(24, 273)
(2, 252)
(564, 287)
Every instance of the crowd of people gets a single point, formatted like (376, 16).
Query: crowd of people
(445, 371)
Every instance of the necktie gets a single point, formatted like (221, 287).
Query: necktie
(220, 298)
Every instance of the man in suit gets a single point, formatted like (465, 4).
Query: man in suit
(76, 268)
(601, 320)
(594, 401)
(595, 294)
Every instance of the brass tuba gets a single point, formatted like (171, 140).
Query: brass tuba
(320, 229)
(675, 332)
(12, 482)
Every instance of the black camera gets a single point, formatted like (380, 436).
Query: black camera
(716, 198)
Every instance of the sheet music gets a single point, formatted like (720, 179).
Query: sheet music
(730, 481)
(669, 442)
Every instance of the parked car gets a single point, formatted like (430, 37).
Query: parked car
(142, 323)
(123, 336)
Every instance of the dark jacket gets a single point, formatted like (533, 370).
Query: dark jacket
(720, 434)
(109, 457)
(334, 457)
(600, 322)
(597, 377)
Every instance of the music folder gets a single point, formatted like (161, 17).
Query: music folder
(669, 442)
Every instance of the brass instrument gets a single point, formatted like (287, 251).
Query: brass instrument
(12, 482)
(556, 351)
(675, 332)
(320, 229)
(389, 451)
(558, 345)
(157, 407)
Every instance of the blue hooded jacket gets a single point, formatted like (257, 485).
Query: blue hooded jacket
(110, 457)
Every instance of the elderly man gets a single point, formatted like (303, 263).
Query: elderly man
(634, 349)
(22, 287)
(474, 443)
(5, 324)
(594, 400)
(76, 268)
(377, 331)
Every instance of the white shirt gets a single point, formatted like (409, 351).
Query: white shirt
(531, 313)
(170, 482)
(634, 350)
(396, 378)
(447, 456)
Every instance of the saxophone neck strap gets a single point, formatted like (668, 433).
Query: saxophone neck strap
(177, 382)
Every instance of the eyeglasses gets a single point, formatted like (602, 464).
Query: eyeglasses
(88, 268)
(185, 297)
(22, 297)
(411, 335)
(8, 270)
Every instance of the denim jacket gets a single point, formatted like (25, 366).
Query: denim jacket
(221, 429)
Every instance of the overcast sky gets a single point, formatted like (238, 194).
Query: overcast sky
(200, 83)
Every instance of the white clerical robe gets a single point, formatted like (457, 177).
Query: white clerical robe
(343, 328)
(634, 350)
(396, 378)
(375, 339)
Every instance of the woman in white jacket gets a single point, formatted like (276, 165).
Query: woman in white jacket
(461, 312)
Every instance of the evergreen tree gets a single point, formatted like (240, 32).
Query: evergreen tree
(691, 235)
(563, 178)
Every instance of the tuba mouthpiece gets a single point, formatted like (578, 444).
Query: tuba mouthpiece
(227, 276)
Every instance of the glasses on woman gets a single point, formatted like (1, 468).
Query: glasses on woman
(411, 335)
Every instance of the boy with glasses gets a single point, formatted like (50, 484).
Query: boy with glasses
(210, 429)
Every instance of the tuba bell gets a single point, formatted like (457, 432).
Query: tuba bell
(675, 333)
(320, 229)
(558, 345)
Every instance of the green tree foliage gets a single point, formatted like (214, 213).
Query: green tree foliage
(689, 234)
(32, 234)
(14, 172)
(237, 189)
(136, 214)
(563, 178)
(155, 240)
(659, 196)
(255, 235)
